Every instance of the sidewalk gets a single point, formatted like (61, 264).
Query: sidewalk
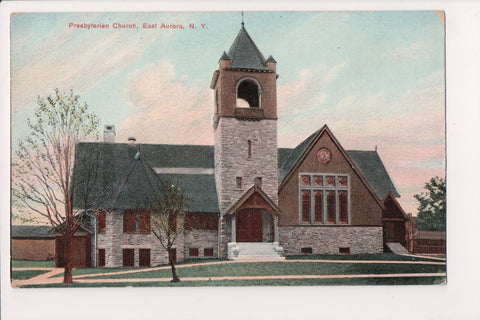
(49, 277)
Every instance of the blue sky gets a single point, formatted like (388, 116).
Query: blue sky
(376, 78)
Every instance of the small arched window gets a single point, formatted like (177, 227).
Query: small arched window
(248, 93)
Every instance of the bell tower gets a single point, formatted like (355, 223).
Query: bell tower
(245, 124)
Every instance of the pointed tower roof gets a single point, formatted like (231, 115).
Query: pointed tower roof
(245, 54)
(225, 56)
(270, 59)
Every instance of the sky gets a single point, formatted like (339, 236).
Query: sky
(376, 78)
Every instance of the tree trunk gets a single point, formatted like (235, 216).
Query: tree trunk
(171, 261)
(67, 277)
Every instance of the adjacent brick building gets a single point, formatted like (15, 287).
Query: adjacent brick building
(248, 198)
(32, 242)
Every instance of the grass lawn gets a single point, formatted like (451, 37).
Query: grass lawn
(279, 282)
(81, 271)
(362, 257)
(33, 264)
(26, 274)
(280, 268)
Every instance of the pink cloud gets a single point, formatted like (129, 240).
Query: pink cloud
(71, 61)
(409, 128)
(168, 111)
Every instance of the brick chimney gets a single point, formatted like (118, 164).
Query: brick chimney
(109, 133)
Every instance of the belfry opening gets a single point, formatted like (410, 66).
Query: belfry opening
(248, 94)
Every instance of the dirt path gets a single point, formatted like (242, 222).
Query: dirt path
(49, 277)
(313, 276)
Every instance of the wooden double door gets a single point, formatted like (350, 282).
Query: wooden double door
(249, 224)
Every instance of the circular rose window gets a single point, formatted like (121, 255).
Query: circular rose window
(324, 155)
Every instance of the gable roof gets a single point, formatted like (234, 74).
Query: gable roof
(245, 54)
(373, 168)
(300, 152)
(122, 179)
(32, 231)
(255, 190)
(369, 163)
(294, 156)
(391, 199)
(133, 187)
(113, 160)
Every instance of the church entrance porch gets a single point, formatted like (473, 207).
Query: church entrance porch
(254, 225)
(249, 226)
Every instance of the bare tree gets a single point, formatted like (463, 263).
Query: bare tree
(167, 219)
(43, 178)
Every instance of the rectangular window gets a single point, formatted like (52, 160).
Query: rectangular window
(343, 206)
(239, 182)
(344, 250)
(319, 206)
(193, 252)
(208, 252)
(331, 207)
(144, 257)
(305, 206)
(128, 257)
(258, 182)
(145, 222)
(129, 221)
(249, 142)
(307, 250)
(330, 196)
(201, 221)
(101, 221)
(101, 258)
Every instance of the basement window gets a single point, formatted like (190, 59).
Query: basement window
(193, 252)
(307, 250)
(208, 252)
(344, 250)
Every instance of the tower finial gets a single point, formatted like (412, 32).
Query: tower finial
(243, 21)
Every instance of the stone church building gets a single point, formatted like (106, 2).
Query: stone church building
(248, 199)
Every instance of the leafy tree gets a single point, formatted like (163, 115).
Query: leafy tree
(432, 205)
(43, 179)
(167, 219)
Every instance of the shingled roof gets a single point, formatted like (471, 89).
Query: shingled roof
(124, 181)
(372, 167)
(135, 186)
(32, 231)
(115, 160)
(245, 54)
(369, 163)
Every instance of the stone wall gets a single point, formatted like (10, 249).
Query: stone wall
(328, 239)
(200, 239)
(114, 241)
(33, 249)
(232, 160)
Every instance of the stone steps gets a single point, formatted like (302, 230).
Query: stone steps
(255, 251)
(397, 248)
